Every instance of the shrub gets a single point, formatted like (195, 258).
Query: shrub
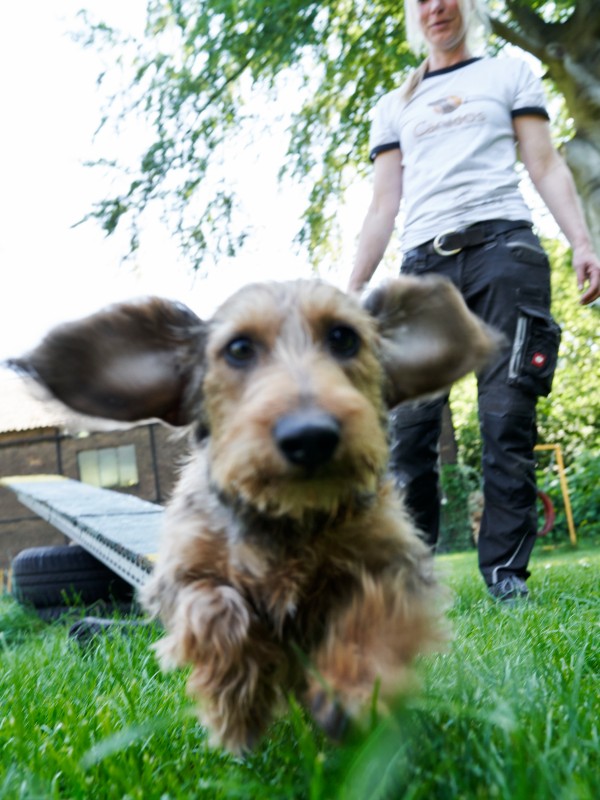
(583, 481)
(458, 482)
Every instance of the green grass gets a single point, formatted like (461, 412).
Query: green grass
(510, 711)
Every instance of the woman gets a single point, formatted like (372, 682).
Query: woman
(445, 143)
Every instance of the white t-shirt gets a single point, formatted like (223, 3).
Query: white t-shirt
(458, 144)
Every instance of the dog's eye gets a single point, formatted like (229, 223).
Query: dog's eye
(240, 352)
(343, 341)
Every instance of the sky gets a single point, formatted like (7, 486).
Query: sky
(51, 108)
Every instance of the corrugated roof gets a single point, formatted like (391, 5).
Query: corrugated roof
(26, 406)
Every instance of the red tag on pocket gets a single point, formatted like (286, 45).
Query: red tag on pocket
(539, 359)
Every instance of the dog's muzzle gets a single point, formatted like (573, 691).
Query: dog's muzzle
(307, 438)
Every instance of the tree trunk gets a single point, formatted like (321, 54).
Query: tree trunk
(571, 52)
(448, 445)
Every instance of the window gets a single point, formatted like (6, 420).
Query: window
(109, 466)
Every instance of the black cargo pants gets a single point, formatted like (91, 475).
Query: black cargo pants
(506, 282)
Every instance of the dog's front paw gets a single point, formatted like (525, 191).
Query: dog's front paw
(236, 737)
(329, 714)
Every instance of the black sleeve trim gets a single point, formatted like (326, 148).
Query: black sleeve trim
(530, 111)
(383, 148)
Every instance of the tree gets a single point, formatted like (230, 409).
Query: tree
(202, 62)
(195, 77)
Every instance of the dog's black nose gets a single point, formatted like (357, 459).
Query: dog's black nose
(307, 438)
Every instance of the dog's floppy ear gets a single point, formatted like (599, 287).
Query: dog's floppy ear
(128, 362)
(429, 338)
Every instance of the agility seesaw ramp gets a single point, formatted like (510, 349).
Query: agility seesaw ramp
(119, 529)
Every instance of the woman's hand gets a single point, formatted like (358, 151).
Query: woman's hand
(587, 269)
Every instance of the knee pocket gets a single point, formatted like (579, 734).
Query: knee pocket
(534, 352)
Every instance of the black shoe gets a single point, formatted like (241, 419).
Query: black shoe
(509, 589)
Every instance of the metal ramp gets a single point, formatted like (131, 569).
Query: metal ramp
(119, 529)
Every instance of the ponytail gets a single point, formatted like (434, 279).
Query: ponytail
(414, 80)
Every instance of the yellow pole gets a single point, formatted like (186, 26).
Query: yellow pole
(562, 475)
(565, 492)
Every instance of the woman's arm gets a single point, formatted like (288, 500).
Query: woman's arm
(554, 182)
(379, 222)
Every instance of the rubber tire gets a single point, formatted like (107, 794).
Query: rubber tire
(45, 577)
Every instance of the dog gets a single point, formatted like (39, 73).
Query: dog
(289, 564)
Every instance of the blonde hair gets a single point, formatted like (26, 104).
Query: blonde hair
(475, 21)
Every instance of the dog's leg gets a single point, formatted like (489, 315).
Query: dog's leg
(368, 649)
(235, 665)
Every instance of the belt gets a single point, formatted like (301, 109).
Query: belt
(450, 243)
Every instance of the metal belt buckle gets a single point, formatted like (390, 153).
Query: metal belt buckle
(439, 249)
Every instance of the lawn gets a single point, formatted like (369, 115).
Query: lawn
(510, 711)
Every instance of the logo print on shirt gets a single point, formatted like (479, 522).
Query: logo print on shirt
(445, 107)
(447, 104)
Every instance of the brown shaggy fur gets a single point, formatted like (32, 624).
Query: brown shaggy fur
(288, 563)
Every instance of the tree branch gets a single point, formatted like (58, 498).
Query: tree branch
(585, 16)
(527, 20)
(526, 29)
(517, 37)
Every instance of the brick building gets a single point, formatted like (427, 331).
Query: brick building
(38, 436)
